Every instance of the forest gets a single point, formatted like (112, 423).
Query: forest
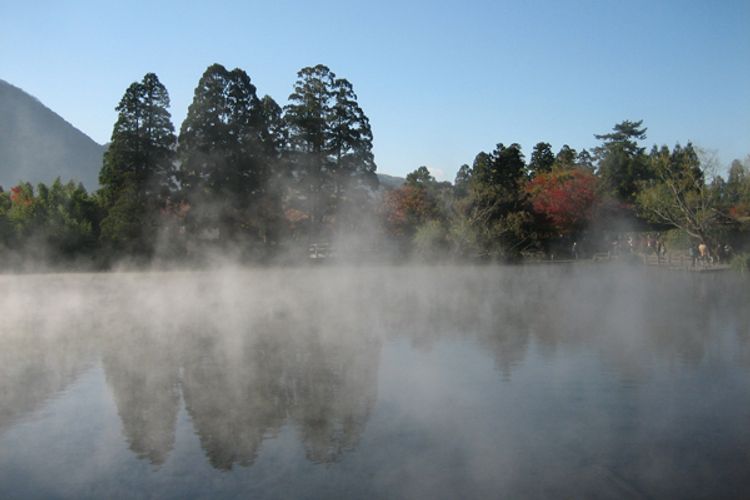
(248, 178)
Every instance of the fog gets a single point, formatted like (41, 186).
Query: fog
(375, 381)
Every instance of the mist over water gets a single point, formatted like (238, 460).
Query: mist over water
(376, 381)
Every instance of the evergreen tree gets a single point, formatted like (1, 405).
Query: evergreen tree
(274, 131)
(226, 152)
(566, 158)
(350, 141)
(585, 160)
(503, 169)
(461, 183)
(421, 177)
(138, 163)
(542, 159)
(622, 162)
(496, 208)
(330, 142)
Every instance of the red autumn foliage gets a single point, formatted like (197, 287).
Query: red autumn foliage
(565, 197)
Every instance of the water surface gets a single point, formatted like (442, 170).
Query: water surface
(378, 382)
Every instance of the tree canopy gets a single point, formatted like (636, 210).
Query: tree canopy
(622, 161)
(250, 176)
(138, 169)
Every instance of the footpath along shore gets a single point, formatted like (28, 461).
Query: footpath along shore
(675, 261)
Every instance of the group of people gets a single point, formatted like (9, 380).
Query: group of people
(653, 244)
(701, 253)
(647, 244)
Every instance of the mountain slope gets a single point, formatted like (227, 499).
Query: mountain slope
(37, 145)
(390, 181)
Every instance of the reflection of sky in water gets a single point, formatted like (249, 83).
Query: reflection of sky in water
(392, 383)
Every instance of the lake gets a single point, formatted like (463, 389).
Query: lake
(414, 382)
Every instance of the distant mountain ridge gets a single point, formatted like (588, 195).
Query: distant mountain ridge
(38, 145)
(390, 181)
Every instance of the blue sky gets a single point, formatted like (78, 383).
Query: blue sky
(440, 81)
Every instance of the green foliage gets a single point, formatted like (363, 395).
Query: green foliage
(678, 194)
(141, 150)
(463, 238)
(585, 160)
(6, 229)
(125, 230)
(463, 178)
(230, 152)
(221, 140)
(735, 195)
(542, 159)
(25, 214)
(421, 177)
(56, 222)
(566, 158)
(240, 159)
(496, 205)
(274, 133)
(138, 165)
(741, 263)
(430, 240)
(503, 170)
(677, 239)
(70, 218)
(330, 143)
(623, 165)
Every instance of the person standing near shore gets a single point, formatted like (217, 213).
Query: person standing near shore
(693, 252)
(703, 251)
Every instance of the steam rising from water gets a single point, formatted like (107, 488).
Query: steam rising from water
(378, 370)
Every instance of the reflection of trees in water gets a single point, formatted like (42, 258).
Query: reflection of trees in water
(234, 392)
(305, 359)
(142, 372)
(33, 369)
(626, 314)
(42, 347)
(632, 318)
(240, 388)
(332, 391)
(244, 370)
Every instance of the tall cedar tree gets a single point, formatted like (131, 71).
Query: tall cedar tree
(330, 141)
(226, 151)
(138, 169)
